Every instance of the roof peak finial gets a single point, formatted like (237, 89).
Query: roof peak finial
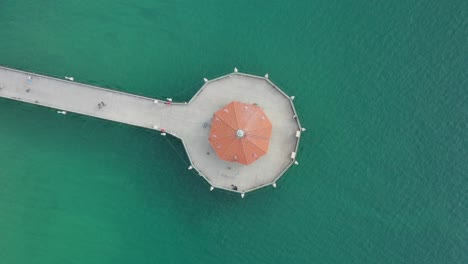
(240, 133)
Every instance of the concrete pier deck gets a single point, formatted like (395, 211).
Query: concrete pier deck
(189, 121)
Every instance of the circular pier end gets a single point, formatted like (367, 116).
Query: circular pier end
(259, 92)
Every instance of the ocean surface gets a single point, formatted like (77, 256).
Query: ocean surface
(381, 86)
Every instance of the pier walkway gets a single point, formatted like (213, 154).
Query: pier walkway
(189, 121)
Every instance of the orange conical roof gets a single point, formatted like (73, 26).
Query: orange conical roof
(240, 132)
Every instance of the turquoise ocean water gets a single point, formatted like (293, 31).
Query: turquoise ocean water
(381, 87)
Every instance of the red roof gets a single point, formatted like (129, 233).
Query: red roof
(240, 132)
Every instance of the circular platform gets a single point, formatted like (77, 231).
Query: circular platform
(284, 139)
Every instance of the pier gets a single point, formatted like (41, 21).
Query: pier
(189, 121)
